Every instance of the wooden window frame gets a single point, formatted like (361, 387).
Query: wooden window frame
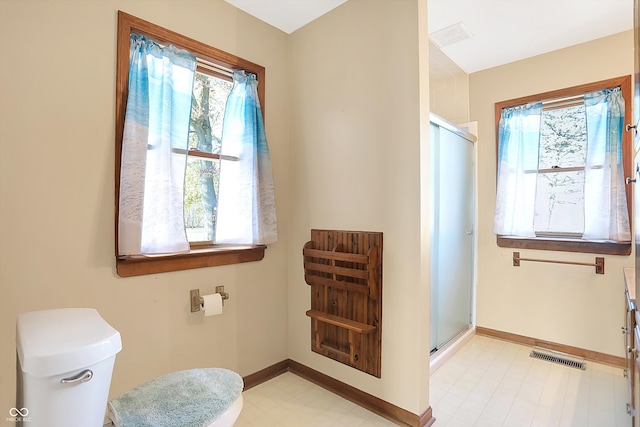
(575, 245)
(199, 256)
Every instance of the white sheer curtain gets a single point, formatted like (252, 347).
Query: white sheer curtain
(518, 146)
(246, 202)
(151, 219)
(605, 203)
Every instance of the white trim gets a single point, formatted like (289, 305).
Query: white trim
(445, 353)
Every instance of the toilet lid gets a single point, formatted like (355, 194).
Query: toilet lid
(191, 398)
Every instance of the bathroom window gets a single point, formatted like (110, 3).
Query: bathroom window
(202, 175)
(562, 161)
(212, 84)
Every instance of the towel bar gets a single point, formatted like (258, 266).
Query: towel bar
(599, 264)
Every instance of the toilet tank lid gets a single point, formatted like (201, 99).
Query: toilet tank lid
(54, 342)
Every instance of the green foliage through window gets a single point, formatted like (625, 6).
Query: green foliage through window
(560, 185)
(201, 182)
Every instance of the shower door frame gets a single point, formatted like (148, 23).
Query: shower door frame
(468, 134)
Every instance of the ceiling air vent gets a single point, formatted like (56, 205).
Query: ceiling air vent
(449, 35)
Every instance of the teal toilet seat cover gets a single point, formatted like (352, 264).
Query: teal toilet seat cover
(191, 398)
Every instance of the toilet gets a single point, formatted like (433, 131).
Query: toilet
(65, 362)
(210, 397)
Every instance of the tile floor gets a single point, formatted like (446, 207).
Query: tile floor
(488, 382)
(495, 383)
(291, 401)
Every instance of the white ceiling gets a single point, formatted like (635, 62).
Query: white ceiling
(510, 30)
(502, 31)
(287, 15)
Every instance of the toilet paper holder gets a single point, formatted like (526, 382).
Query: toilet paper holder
(197, 300)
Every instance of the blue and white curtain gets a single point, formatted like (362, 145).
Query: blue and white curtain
(519, 141)
(605, 204)
(151, 218)
(246, 202)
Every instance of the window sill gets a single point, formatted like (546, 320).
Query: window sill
(138, 265)
(600, 248)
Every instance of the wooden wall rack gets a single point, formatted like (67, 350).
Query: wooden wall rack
(344, 270)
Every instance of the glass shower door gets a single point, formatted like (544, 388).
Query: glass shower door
(452, 241)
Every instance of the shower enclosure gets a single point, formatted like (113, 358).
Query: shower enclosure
(452, 231)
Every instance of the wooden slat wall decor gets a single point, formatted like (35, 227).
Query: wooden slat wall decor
(344, 270)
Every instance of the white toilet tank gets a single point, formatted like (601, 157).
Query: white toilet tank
(65, 362)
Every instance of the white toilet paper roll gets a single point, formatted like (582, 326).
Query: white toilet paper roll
(212, 304)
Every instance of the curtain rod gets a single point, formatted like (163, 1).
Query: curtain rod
(220, 69)
(566, 99)
(214, 67)
(570, 101)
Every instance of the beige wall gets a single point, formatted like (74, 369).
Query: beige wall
(57, 191)
(448, 87)
(561, 303)
(344, 132)
(347, 104)
(356, 152)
